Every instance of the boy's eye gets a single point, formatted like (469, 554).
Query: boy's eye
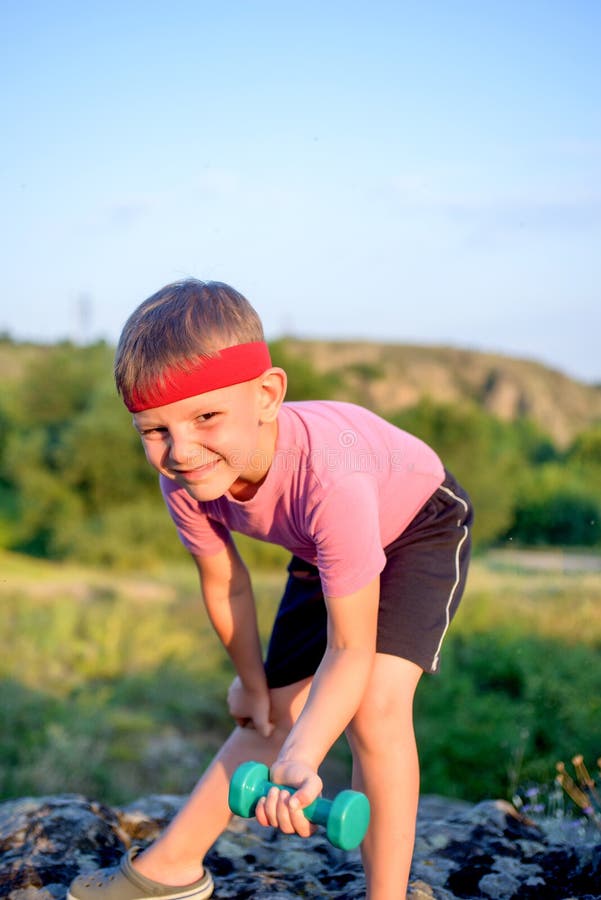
(204, 417)
(145, 432)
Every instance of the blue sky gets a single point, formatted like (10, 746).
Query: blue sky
(405, 171)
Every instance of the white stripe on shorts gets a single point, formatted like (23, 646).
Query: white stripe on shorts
(462, 540)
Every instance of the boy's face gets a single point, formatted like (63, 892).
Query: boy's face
(212, 443)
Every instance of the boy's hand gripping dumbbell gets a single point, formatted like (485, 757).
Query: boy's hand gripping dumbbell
(345, 818)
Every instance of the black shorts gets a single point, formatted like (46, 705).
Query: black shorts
(420, 588)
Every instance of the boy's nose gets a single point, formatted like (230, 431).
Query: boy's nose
(184, 453)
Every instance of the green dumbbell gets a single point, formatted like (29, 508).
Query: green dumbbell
(345, 818)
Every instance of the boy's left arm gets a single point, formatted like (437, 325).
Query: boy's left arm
(337, 690)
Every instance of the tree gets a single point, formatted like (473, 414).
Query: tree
(486, 455)
(555, 507)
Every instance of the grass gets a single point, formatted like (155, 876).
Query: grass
(558, 604)
(113, 685)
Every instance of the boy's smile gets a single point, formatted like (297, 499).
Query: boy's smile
(193, 474)
(213, 443)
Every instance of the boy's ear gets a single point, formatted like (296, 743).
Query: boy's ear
(272, 387)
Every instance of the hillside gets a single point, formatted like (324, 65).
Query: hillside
(391, 377)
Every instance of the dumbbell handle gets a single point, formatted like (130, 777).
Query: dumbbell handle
(316, 812)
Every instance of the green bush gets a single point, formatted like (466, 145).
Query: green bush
(586, 450)
(304, 381)
(554, 507)
(138, 535)
(503, 711)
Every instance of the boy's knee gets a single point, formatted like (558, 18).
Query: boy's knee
(283, 718)
(386, 711)
(378, 724)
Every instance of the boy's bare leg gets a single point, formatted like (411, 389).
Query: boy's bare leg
(176, 856)
(386, 767)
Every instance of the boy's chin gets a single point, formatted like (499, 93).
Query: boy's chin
(214, 488)
(205, 492)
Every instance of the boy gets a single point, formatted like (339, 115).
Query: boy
(380, 537)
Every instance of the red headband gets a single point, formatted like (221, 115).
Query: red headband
(233, 365)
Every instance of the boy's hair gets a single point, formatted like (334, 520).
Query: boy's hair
(177, 325)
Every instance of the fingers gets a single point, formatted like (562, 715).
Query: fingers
(283, 807)
(306, 782)
(243, 721)
(277, 810)
(250, 709)
(261, 714)
(264, 727)
(306, 793)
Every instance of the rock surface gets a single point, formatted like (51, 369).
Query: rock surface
(462, 851)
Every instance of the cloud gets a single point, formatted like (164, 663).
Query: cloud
(126, 214)
(509, 212)
(551, 215)
(218, 181)
(579, 148)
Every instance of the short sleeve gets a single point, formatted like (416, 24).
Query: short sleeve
(346, 529)
(199, 534)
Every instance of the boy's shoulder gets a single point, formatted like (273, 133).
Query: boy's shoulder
(329, 412)
(326, 421)
(335, 436)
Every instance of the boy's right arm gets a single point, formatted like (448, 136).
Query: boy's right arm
(229, 601)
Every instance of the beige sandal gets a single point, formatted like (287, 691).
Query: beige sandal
(123, 882)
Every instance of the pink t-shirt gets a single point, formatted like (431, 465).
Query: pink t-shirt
(343, 484)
